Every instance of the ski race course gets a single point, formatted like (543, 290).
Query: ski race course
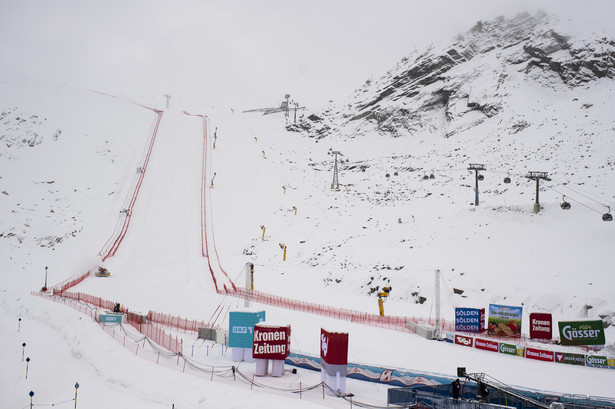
(164, 246)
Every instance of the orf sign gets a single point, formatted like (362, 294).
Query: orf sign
(271, 342)
(540, 325)
(581, 332)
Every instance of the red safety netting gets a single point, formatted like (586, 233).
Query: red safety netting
(176, 322)
(71, 282)
(138, 321)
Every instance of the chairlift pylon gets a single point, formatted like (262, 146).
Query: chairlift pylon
(565, 205)
(607, 217)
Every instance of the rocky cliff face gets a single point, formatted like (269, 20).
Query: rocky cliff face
(454, 88)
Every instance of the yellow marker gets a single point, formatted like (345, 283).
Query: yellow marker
(212, 180)
(295, 209)
(283, 247)
(381, 307)
(284, 187)
(264, 157)
(255, 139)
(263, 229)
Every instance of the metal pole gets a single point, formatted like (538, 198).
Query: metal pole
(76, 387)
(476, 187)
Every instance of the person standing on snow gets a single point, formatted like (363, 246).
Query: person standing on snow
(456, 387)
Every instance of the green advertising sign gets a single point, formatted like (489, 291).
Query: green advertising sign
(509, 349)
(597, 361)
(581, 332)
(570, 359)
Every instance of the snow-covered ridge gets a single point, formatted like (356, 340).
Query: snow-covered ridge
(458, 86)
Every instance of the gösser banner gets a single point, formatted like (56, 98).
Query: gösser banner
(581, 332)
(505, 321)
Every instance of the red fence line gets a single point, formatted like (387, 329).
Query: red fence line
(151, 331)
(71, 282)
(124, 229)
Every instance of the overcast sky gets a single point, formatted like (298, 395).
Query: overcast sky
(246, 53)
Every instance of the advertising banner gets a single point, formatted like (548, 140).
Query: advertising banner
(334, 347)
(271, 342)
(540, 325)
(570, 359)
(509, 349)
(596, 361)
(465, 341)
(505, 321)
(334, 360)
(241, 327)
(487, 345)
(581, 332)
(469, 319)
(539, 354)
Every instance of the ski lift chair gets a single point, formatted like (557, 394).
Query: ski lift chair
(565, 205)
(507, 179)
(481, 177)
(607, 217)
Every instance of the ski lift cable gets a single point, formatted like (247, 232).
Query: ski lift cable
(575, 200)
(579, 192)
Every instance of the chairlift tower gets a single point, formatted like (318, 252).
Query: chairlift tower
(335, 185)
(476, 167)
(537, 176)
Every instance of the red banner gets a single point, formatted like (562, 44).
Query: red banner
(463, 340)
(539, 354)
(334, 347)
(487, 345)
(541, 325)
(271, 342)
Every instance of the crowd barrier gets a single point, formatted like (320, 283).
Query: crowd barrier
(388, 322)
(70, 282)
(89, 304)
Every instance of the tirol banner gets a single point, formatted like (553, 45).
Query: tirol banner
(581, 332)
(540, 325)
(334, 347)
(469, 320)
(334, 360)
(271, 342)
(505, 321)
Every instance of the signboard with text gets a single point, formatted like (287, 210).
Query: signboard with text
(271, 342)
(463, 340)
(570, 359)
(539, 354)
(469, 319)
(505, 321)
(241, 327)
(486, 345)
(581, 332)
(540, 325)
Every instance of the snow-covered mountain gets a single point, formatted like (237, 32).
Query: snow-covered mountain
(513, 95)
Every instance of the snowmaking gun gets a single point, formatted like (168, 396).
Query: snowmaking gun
(382, 296)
